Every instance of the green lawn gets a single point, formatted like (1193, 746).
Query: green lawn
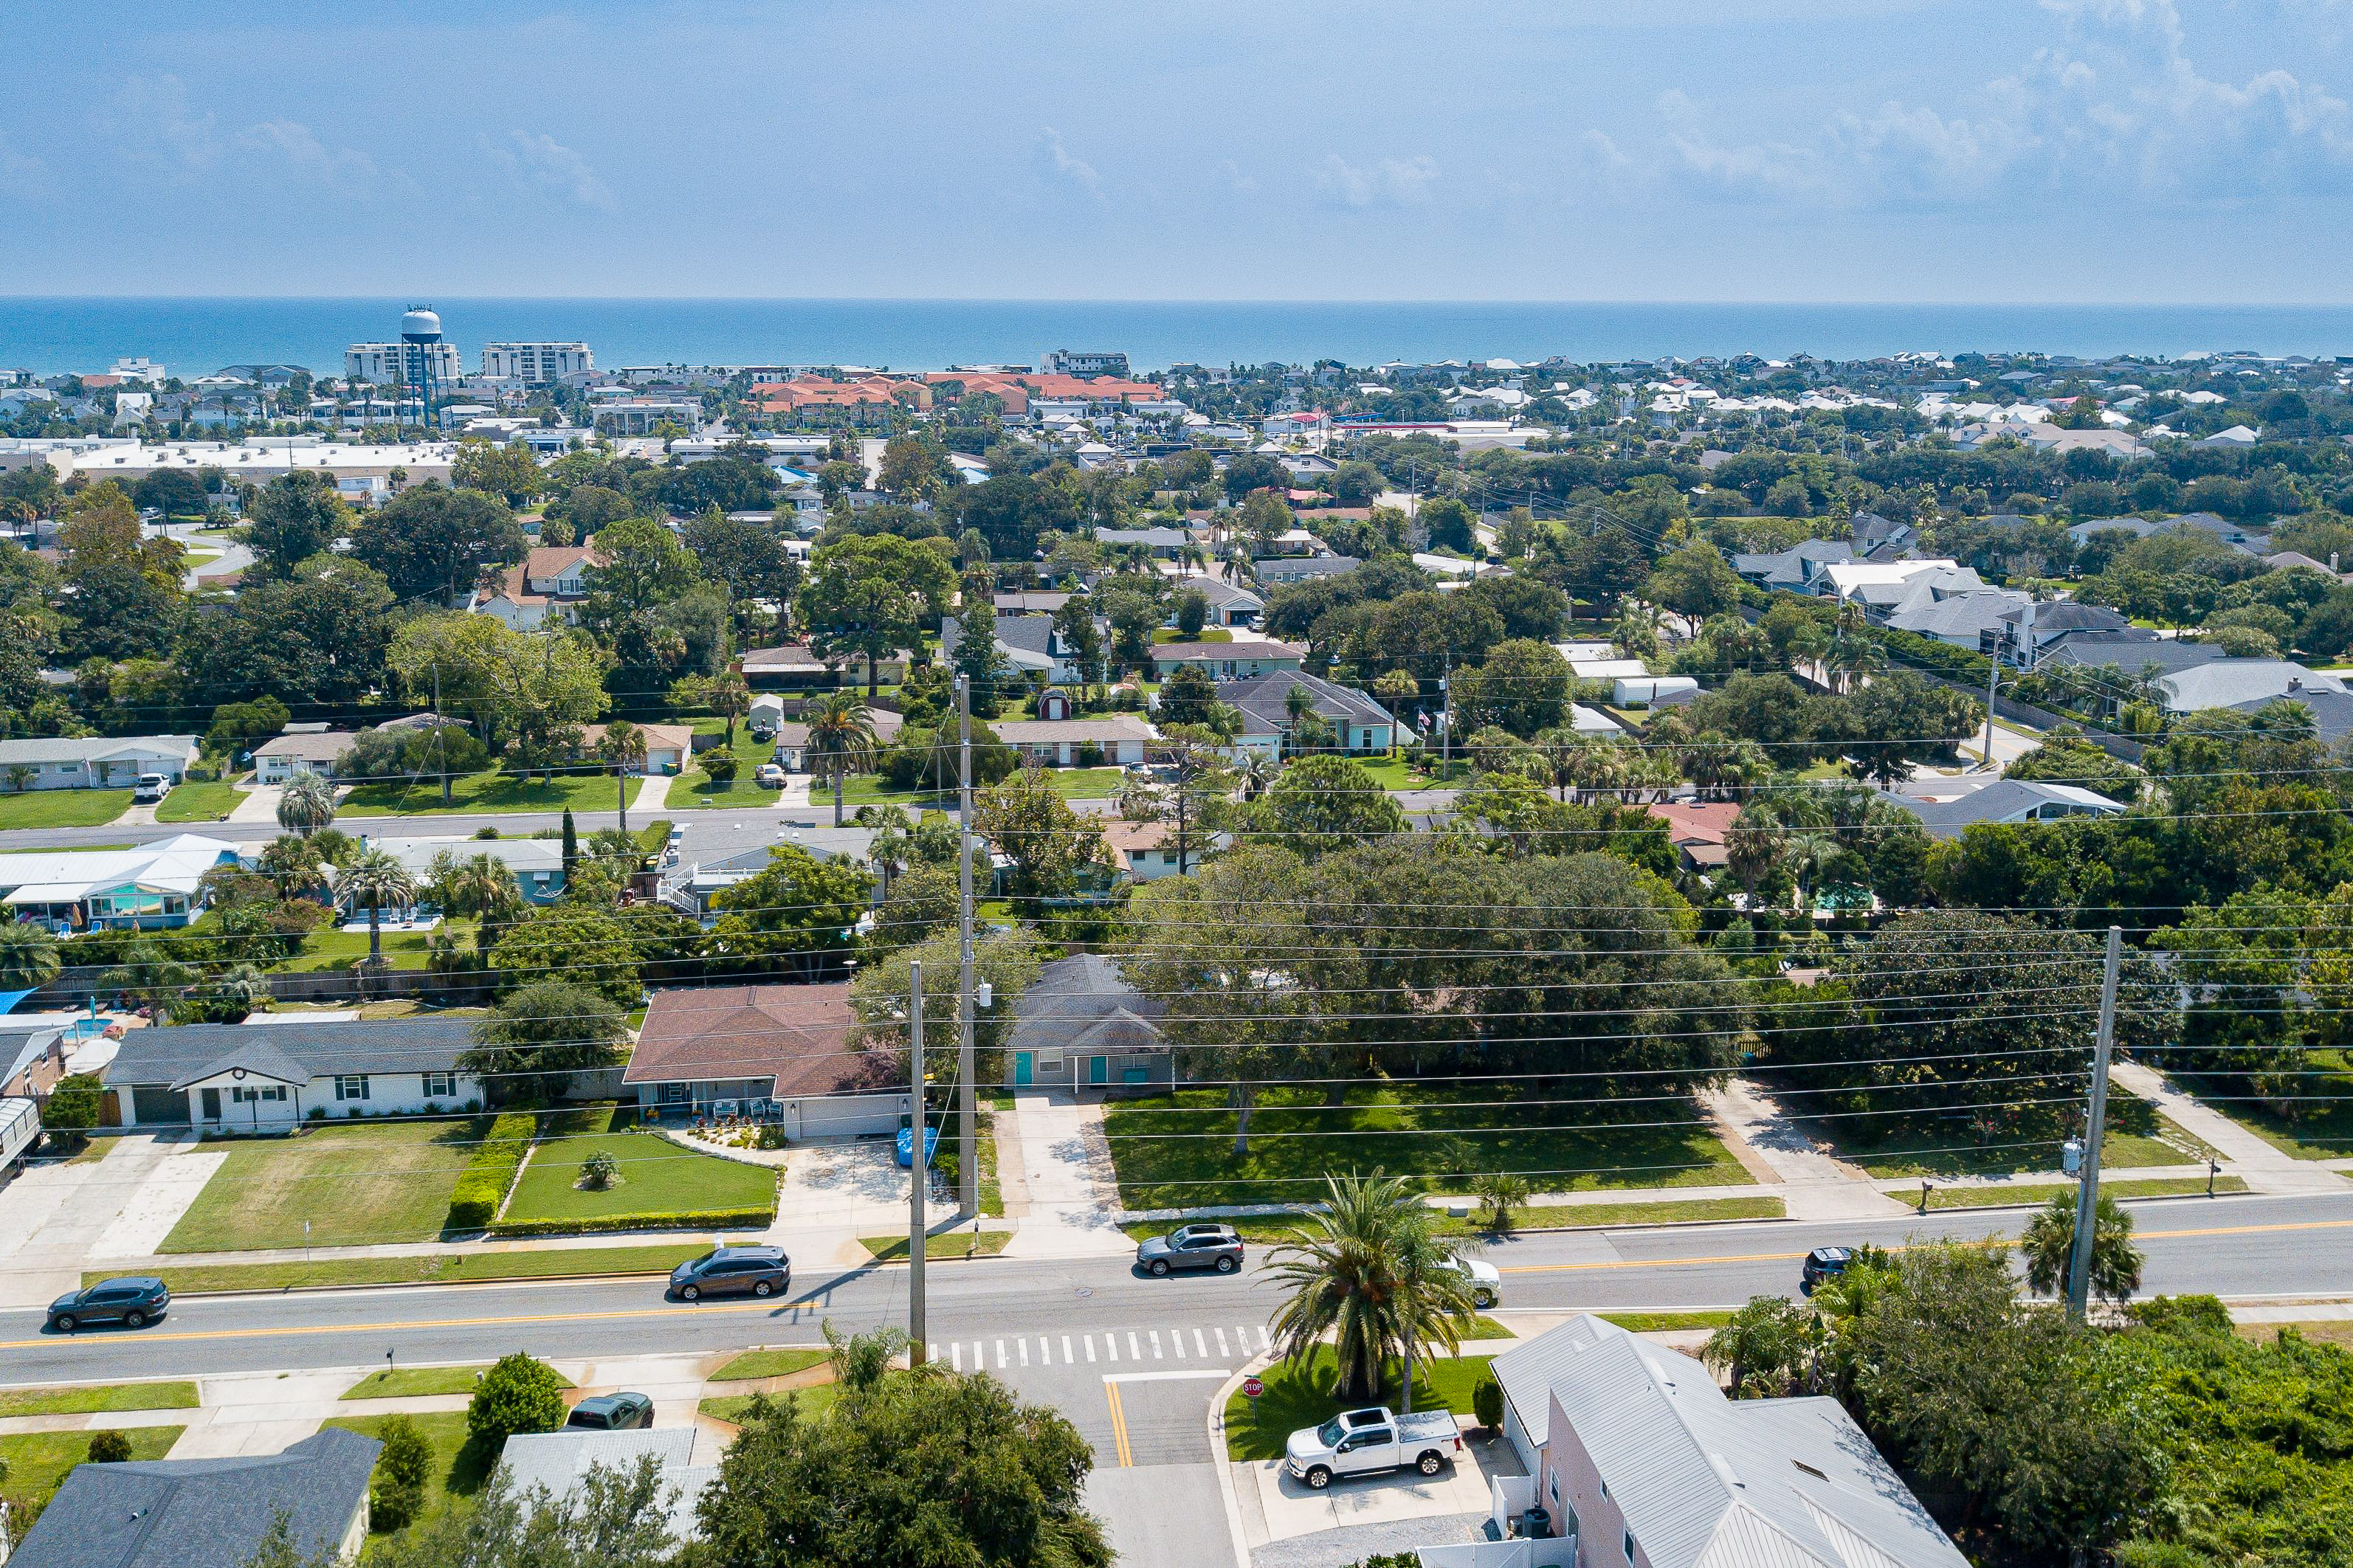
(435, 1268)
(205, 802)
(869, 789)
(771, 1364)
(63, 807)
(37, 1462)
(1300, 1395)
(2043, 1192)
(657, 1176)
(89, 1401)
(1206, 634)
(356, 1183)
(1936, 1153)
(693, 790)
(460, 1466)
(1665, 1322)
(1177, 1150)
(331, 947)
(948, 1244)
(2327, 1134)
(1392, 774)
(496, 790)
(814, 1401)
(1267, 1229)
(406, 1381)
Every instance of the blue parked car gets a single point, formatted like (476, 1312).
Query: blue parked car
(907, 1146)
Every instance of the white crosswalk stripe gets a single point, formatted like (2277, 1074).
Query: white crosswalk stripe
(1199, 1344)
(956, 1356)
(1153, 1332)
(1133, 1352)
(1176, 1342)
(1001, 1344)
(1021, 1345)
(1067, 1356)
(1090, 1340)
(1222, 1351)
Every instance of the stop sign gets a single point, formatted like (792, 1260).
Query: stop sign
(1253, 1388)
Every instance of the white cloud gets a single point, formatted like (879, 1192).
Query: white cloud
(1055, 162)
(298, 145)
(154, 124)
(540, 164)
(1231, 173)
(1393, 182)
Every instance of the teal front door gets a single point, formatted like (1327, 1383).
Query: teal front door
(1098, 1069)
(1022, 1065)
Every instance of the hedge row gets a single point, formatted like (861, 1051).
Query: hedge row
(483, 1185)
(695, 1219)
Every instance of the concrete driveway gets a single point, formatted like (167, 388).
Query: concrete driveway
(1287, 1507)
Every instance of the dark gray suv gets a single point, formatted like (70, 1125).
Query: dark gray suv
(611, 1412)
(733, 1272)
(133, 1303)
(1191, 1246)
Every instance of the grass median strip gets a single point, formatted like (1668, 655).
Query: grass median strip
(771, 1364)
(2039, 1193)
(951, 1244)
(434, 1268)
(814, 1401)
(410, 1381)
(173, 1396)
(1665, 1322)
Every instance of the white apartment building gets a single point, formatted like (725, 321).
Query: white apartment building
(536, 364)
(140, 369)
(383, 364)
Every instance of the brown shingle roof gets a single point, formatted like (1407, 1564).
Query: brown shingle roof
(800, 1034)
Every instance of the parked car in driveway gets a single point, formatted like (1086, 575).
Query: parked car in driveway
(1191, 1246)
(733, 1272)
(611, 1412)
(151, 787)
(1365, 1442)
(134, 1302)
(768, 775)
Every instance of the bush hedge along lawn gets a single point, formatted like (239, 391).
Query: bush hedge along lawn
(474, 1203)
(355, 1182)
(660, 1185)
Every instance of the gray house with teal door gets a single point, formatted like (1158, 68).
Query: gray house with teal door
(1084, 1028)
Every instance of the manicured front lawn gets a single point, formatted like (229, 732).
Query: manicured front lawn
(175, 1395)
(948, 1244)
(657, 1176)
(1301, 1395)
(2044, 1192)
(869, 789)
(37, 1461)
(332, 947)
(435, 1268)
(814, 1401)
(1177, 1150)
(209, 801)
(2328, 1134)
(406, 1381)
(771, 1364)
(356, 1183)
(694, 791)
(63, 807)
(460, 1466)
(496, 790)
(1947, 1153)
(1267, 1229)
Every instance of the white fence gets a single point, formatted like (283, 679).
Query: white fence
(1553, 1552)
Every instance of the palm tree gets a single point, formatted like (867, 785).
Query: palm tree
(375, 880)
(1502, 1192)
(2050, 1243)
(840, 741)
(623, 744)
(1810, 856)
(483, 887)
(307, 804)
(28, 956)
(1370, 1271)
(149, 974)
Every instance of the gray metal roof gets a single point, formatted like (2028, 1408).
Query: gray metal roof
(2007, 800)
(2234, 682)
(1964, 615)
(1086, 998)
(559, 1463)
(188, 1051)
(95, 748)
(1263, 698)
(2132, 654)
(1297, 568)
(168, 1513)
(1705, 1481)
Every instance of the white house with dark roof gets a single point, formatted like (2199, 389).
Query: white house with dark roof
(1637, 1453)
(93, 762)
(236, 1077)
(1363, 726)
(277, 760)
(1112, 740)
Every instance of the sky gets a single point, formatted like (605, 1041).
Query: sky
(2028, 151)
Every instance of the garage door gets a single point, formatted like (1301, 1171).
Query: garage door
(153, 1102)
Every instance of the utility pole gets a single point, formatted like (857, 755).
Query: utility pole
(967, 1130)
(1993, 673)
(2087, 1196)
(1446, 712)
(919, 1169)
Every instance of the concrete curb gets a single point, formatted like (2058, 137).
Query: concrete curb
(1224, 1466)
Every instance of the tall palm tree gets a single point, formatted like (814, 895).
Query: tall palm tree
(307, 804)
(623, 744)
(373, 882)
(149, 974)
(840, 741)
(480, 886)
(1811, 855)
(1370, 1271)
(28, 956)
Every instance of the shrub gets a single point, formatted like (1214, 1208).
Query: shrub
(1487, 1403)
(483, 1185)
(109, 1448)
(600, 1171)
(720, 765)
(518, 1394)
(1090, 755)
(695, 1219)
(402, 1471)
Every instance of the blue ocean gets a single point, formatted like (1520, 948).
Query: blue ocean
(196, 336)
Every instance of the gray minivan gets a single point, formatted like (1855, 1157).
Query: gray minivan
(733, 1272)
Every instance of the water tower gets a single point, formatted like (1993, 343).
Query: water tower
(421, 355)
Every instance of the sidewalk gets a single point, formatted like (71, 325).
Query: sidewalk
(1066, 1176)
(2263, 1165)
(1813, 1184)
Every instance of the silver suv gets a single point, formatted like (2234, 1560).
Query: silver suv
(1191, 1246)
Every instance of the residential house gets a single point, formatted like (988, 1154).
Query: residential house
(241, 1077)
(1113, 740)
(1363, 725)
(789, 1045)
(696, 889)
(1275, 571)
(2005, 801)
(93, 762)
(791, 666)
(1638, 1456)
(1698, 829)
(2241, 683)
(792, 737)
(1881, 588)
(169, 1513)
(1032, 645)
(1083, 1026)
(1230, 603)
(1162, 544)
(1030, 601)
(1145, 851)
(2332, 711)
(2229, 532)
(1797, 569)
(277, 760)
(669, 747)
(558, 1464)
(2031, 631)
(1240, 659)
(33, 1055)
(149, 887)
(552, 581)
(536, 864)
(1974, 618)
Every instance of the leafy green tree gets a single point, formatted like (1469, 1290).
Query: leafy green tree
(511, 472)
(292, 518)
(587, 946)
(1523, 686)
(73, 1108)
(1368, 1272)
(548, 1027)
(747, 558)
(517, 1395)
(317, 636)
(1696, 580)
(126, 597)
(402, 1471)
(1771, 1348)
(2050, 1242)
(870, 596)
(1009, 962)
(1055, 851)
(797, 916)
(1188, 696)
(431, 540)
(1321, 803)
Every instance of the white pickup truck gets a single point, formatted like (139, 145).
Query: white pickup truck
(1362, 1442)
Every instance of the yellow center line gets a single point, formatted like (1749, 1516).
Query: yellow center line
(283, 1331)
(1903, 1246)
(1118, 1424)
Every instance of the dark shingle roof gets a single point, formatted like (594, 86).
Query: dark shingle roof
(164, 1513)
(1085, 1003)
(319, 1049)
(1263, 698)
